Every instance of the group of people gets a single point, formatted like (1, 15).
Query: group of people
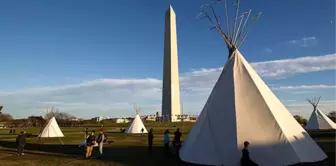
(11, 130)
(176, 142)
(91, 141)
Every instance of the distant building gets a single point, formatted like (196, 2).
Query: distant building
(4, 125)
(187, 118)
(76, 119)
(178, 118)
(150, 118)
(98, 119)
(122, 120)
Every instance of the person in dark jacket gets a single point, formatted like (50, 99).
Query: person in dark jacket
(21, 142)
(150, 140)
(245, 159)
(101, 140)
(142, 130)
(90, 141)
(177, 140)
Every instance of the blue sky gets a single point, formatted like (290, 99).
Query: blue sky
(92, 47)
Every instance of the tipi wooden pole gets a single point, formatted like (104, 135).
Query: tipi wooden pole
(235, 20)
(227, 19)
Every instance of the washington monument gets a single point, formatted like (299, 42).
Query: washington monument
(171, 85)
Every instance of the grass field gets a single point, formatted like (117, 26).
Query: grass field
(125, 149)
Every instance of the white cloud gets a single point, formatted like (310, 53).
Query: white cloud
(289, 67)
(304, 42)
(282, 68)
(115, 97)
(305, 87)
(89, 99)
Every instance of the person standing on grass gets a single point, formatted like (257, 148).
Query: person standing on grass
(86, 133)
(21, 142)
(150, 140)
(166, 140)
(90, 141)
(142, 130)
(101, 140)
(177, 140)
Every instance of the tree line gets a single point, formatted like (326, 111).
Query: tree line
(303, 121)
(63, 119)
(67, 120)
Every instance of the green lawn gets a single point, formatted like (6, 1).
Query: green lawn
(125, 150)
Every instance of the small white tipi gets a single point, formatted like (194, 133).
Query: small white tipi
(318, 120)
(136, 126)
(240, 108)
(51, 130)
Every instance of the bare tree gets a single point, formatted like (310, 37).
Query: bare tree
(36, 121)
(6, 117)
(57, 114)
(300, 119)
(332, 114)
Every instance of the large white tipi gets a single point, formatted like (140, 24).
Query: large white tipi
(240, 108)
(318, 120)
(51, 130)
(136, 126)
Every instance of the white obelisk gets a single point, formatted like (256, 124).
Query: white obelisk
(171, 86)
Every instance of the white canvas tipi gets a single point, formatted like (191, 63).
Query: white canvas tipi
(136, 126)
(242, 108)
(51, 130)
(318, 120)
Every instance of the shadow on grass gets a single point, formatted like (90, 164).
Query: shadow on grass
(132, 155)
(129, 155)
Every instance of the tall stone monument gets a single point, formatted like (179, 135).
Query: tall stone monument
(171, 86)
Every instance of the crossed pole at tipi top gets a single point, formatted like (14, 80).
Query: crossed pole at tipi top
(137, 109)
